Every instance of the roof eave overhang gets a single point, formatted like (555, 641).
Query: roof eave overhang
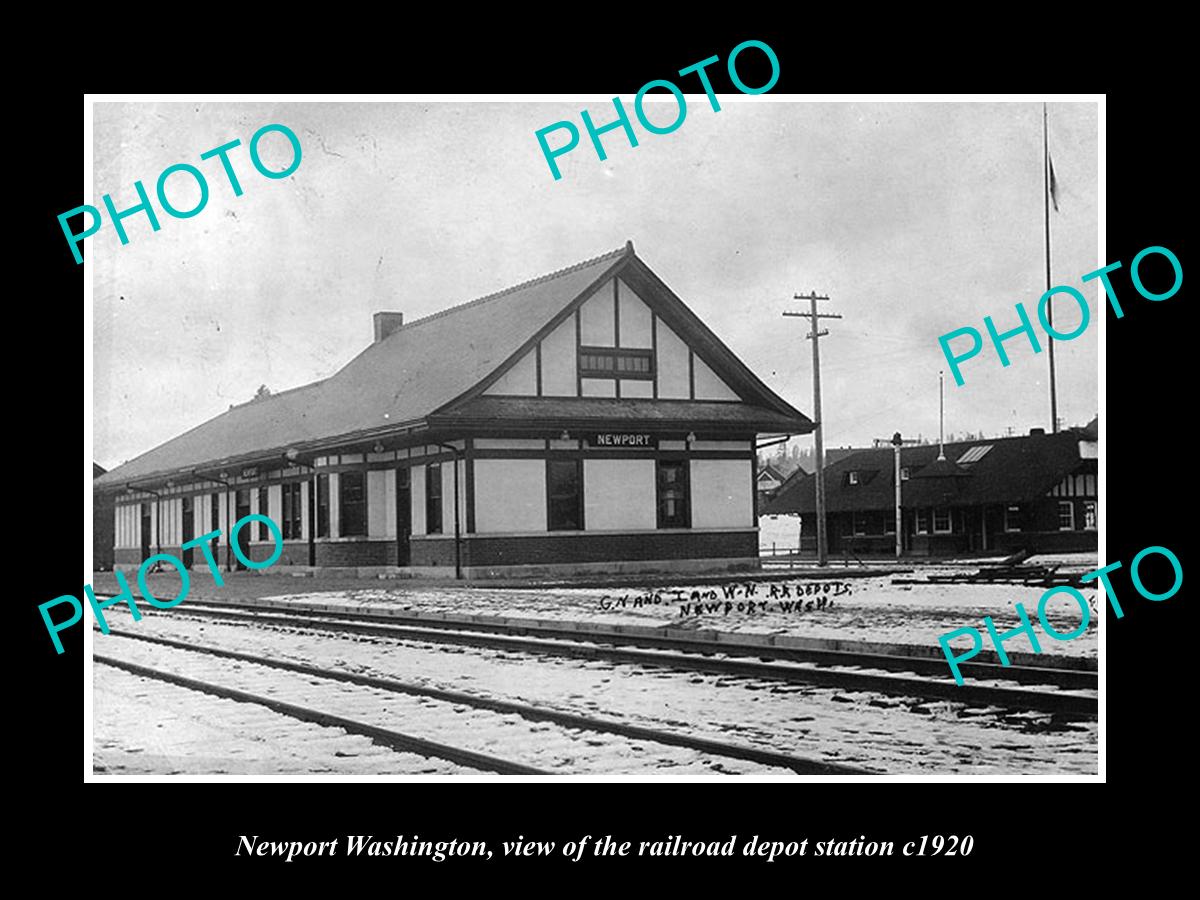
(542, 423)
(302, 449)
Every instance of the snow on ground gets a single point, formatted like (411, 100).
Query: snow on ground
(888, 734)
(778, 534)
(547, 746)
(147, 727)
(861, 609)
(1081, 562)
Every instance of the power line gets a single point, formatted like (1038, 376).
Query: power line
(815, 335)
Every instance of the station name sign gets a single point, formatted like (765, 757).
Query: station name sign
(623, 439)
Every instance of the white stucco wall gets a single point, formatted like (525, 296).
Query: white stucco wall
(520, 380)
(510, 495)
(559, 361)
(673, 383)
(597, 319)
(599, 387)
(708, 385)
(377, 503)
(635, 319)
(618, 494)
(722, 493)
(417, 491)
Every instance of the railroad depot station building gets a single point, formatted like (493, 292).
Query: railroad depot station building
(1036, 492)
(585, 420)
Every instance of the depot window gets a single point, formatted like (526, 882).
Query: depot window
(1012, 518)
(673, 494)
(352, 504)
(322, 506)
(564, 489)
(433, 498)
(292, 512)
(264, 509)
(922, 521)
(1089, 515)
(941, 521)
(604, 362)
(1066, 515)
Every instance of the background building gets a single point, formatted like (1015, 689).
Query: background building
(770, 479)
(1037, 492)
(585, 419)
(102, 526)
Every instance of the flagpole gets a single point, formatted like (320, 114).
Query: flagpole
(1049, 304)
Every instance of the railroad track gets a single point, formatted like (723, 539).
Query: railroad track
(384, 736)
(1068, 678)
(406, 742)
(822, 668)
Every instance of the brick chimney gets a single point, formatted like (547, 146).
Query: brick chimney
(386, 323)
(1037, 432)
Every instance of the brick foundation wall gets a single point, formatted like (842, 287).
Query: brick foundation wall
(132, 558)
(586, 548)
(497, 551)
(435, 552)
(355, 553)
(294, 553)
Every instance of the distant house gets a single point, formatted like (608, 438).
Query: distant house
(1036, 492)
(768, 481)
(103, 528)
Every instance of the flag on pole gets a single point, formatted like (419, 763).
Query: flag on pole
(1053, 182)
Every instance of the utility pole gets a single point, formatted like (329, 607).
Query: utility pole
(815, 335)
(1047, 175)
(897, 442)
(941, 416)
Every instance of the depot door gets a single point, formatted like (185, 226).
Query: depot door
(145, 531)
(187, 524)
(403, 517)
(243, 538)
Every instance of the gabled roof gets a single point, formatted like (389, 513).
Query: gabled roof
(430, 366)
(772, 472)
(1015, 470)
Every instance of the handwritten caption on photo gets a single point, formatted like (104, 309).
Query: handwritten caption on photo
(747, 597)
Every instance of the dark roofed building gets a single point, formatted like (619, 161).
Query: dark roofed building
(102, 526)
(1037, 492)
(583, 419)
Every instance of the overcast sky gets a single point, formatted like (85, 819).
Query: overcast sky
(915, 219)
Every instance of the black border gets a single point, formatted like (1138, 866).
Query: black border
(1027, 836)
